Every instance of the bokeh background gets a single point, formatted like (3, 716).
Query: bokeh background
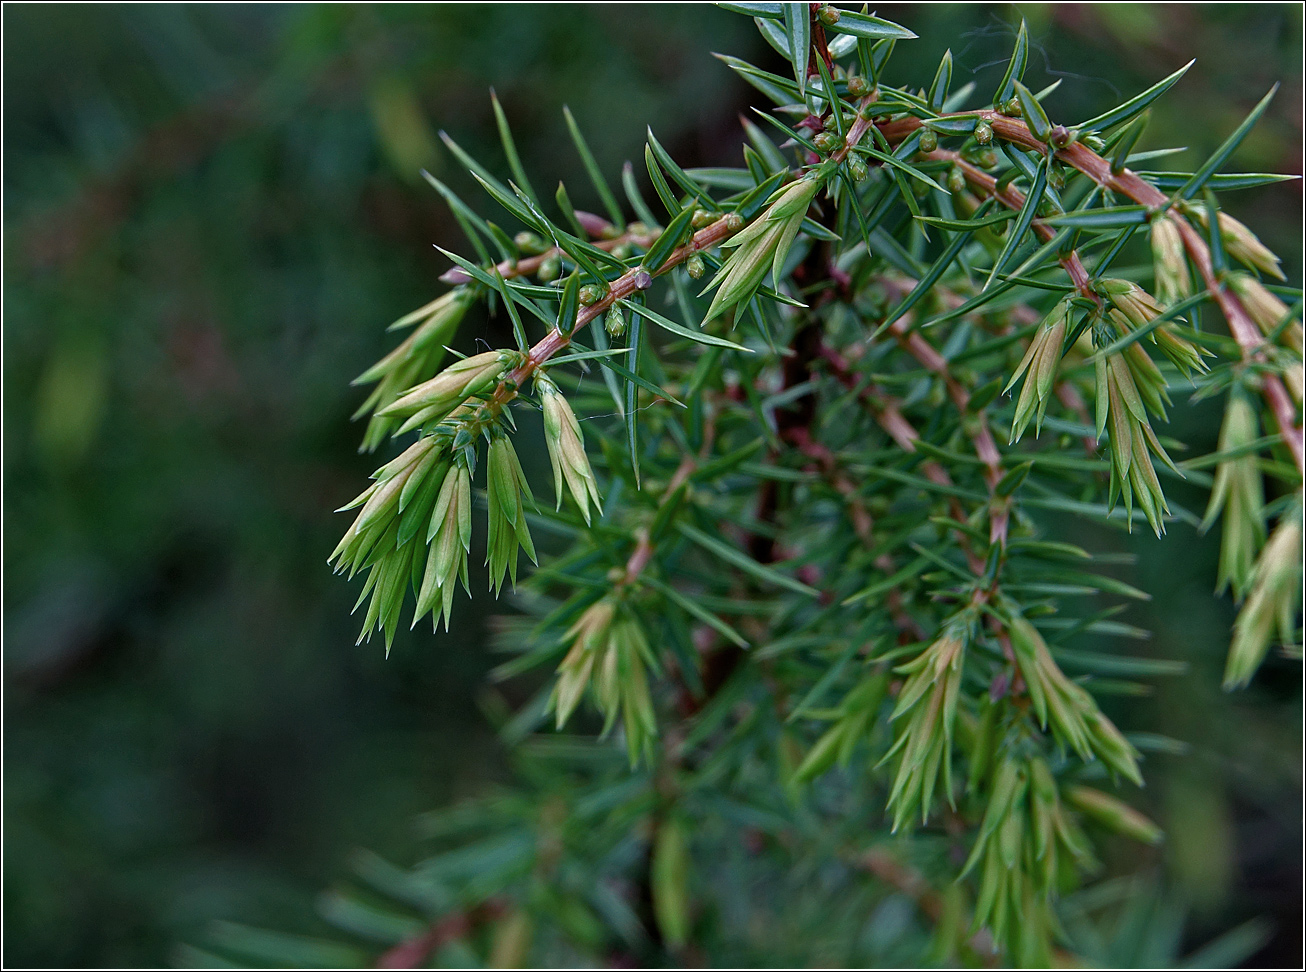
(210, 214)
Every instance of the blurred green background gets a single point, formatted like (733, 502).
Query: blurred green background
(210, 214)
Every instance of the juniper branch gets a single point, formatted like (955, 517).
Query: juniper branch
(1128, 184)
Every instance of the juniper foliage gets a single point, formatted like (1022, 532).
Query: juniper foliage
(812, 423)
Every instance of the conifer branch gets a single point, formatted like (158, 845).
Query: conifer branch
(1124, 182)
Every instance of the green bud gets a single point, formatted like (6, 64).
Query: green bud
(550, 269)
(1093, 142)
(929, 140)
(763, 245)
(1135, 307)
(1169, 262)
(857, 170)
(1268, 311)
(529, 243)
(609, 654)
(1238, 493)
(1272, 605)
(1128, 386)
(983, 133)
(826, 141)
(505, 487)
(1114, 814)
(828, 15)
(702, 218)
(450, 538)
(434, 400)
(589, 637)
(1041, 359)
(590, 294)
(419, 354)
(622, 251)
(1069, 709)
(695, 267)
(929, 699)
(615, 322)
(956, 180)
(1010, 108)
(858, 86)
(1240, 242)
(566, 446)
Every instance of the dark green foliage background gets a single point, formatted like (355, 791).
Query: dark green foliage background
(210, 213)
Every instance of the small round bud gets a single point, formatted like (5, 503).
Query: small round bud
(1060, 136)
(857, 170)
(637, 229)
(983, 133)
(1094, 142)
(825, 141)
(858, 86)
(590, 294)
(615, 322)
(621, 251)
(695, 267)
(956, 180)
(986, 159)
(734, 222)
(529, 243)
(701, 218)
(1011, 108)
(929, 141)
(643, 279)
(828, 15)
(1057, 178)
(549, 270)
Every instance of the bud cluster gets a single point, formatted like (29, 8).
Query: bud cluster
(1273, 604)
(762, 246)
(1026, 841)
(419, 354)
(1074, 716)
(1268, 311)
(924, 744)
(433, 401)
(1239, 495)
(610, 656)
(1041, 360)
(506, 487)
(414, 528)
(1128, 387)
(1240, 242)
(1133, 307)
(566, 446)
(1169, 262)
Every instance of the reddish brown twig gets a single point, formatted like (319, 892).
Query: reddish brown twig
(1129, 185)
(414, 952)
